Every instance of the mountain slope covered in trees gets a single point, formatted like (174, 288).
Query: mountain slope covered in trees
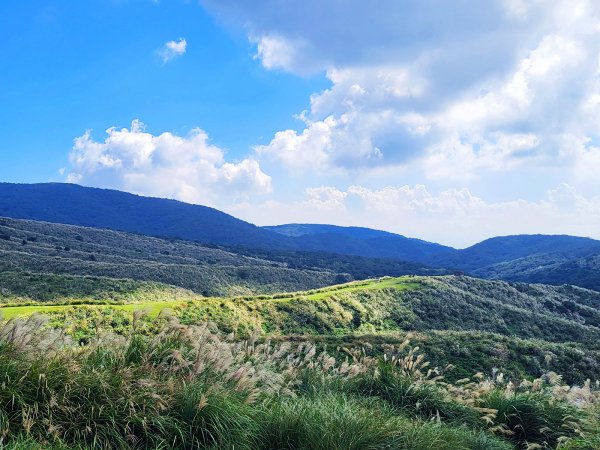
(366, 252)
(116, 210)
(40, 247)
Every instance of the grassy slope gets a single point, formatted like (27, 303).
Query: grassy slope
(151, 296)
(480, 324)
(188, 387)
(406, 303)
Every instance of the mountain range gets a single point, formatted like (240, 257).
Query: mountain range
(550, 259)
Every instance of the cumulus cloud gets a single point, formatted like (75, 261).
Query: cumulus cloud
(450, 92)
(453, 216)
(186, 168)
(172, 49)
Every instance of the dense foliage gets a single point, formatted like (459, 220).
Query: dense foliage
(36, 247)
(189, 387)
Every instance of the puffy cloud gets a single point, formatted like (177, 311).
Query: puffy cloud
(172, 49)
(500, 97)
(452, 216)
(442, 90)
(187, 168)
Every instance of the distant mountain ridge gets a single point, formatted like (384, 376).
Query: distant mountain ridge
(508, 248)
(105, 208)
(361, 241)
(558, 259)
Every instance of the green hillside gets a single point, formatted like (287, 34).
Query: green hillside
(39, 247)
(168, 384)
(549, 268)
(230, 350)
(494, 320)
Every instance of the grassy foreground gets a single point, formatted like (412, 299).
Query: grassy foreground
(189, 387)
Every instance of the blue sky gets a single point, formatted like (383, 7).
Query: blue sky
(73, 66)
(448, 121)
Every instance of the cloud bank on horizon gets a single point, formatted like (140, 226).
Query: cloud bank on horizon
(446, 121)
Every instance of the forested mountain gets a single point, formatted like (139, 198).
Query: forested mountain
(116, 210)
(510, 248)
(549, 268)
(530, 258)
(361, 241)
(360, 252)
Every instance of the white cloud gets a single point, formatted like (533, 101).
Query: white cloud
(441, 90)
(452, 216)
(186, 168)
(172, 49)
(274, 52)
(327, 33)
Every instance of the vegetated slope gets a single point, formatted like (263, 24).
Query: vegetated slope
(551, 313)
(549, 268)
(24, 287)
(509, 248)
(479, 324)
(110, 209)
(359, 267)
(41, 247)
(360, 241)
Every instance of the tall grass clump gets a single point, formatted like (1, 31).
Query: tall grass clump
(542, 413)
(408, 383)
(191, 387)
(182, 388)
(340, 421)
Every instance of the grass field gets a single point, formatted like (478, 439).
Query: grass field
(153, 308)
(400, 283)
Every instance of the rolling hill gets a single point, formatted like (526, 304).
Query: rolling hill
(360, 252)
(103, 208)
(477, 324)
(361, 241)
(41, 247)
